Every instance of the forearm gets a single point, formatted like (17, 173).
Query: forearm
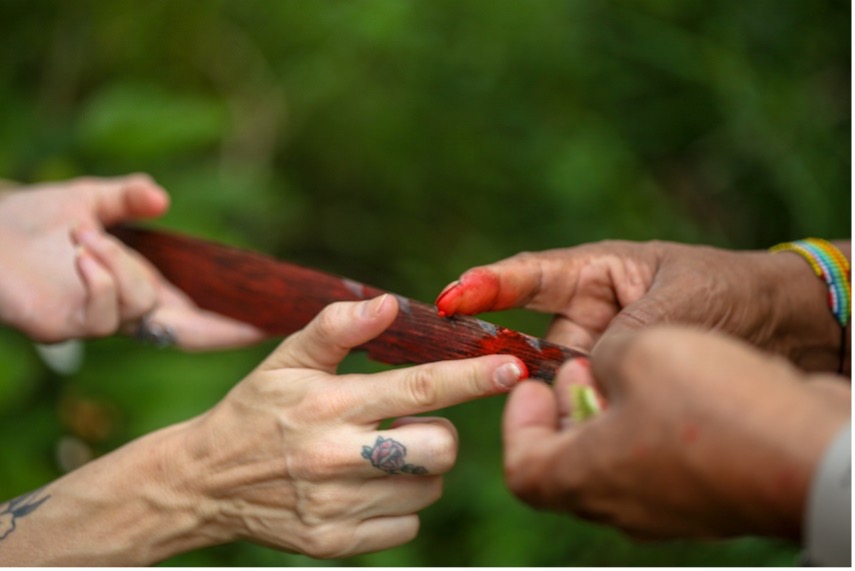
(126, 508)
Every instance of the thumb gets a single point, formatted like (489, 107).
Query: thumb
(127, 198)
(531, 413)
(330, 336)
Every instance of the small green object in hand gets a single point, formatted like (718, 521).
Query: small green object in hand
(584, 402)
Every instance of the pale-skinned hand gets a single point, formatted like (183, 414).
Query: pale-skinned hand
(294, 453)
(66, 278)
(292, 458)
(703, 436)
(774, 301)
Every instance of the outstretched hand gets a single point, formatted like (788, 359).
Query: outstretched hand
(66, 278)
(294, 458)
(596, 290)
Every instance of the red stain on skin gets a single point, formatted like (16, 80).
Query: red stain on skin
(690, 433)
(476, 291)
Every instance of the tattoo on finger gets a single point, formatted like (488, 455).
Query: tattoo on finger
(389, 455)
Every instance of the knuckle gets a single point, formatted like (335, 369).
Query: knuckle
(327, 322)
(323, 542)
(421, 388)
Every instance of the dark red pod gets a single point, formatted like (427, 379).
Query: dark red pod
(280, 298)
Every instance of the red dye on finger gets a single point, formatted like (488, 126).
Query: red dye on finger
(475, 292)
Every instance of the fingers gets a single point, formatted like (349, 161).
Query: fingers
(385, 532)
(530, 427)
(415, 446)
(134, 284)
(432, 386)
(418, 447)
(125, 198)
(198, 330)
(510, 283)
(99, 314)
(324, 342)
(544, 281)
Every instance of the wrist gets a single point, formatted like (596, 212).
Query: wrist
(801, 325)
(135, 506)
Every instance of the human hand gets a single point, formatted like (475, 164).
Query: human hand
(67, 278)
(703, 436)
(293, 457)
(773, 301)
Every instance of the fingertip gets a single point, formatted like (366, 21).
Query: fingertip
(376, 307)
(506, 376)
(445, 302)
(476, 291)
(144, 197)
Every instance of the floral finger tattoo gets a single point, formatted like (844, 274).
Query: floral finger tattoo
(19, 507)
(389, 455)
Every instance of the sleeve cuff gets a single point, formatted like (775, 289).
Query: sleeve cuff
(828, 529)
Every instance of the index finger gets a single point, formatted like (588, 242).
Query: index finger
(542, 281)
(429, 387)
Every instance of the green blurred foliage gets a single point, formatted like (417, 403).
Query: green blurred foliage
(400, 143)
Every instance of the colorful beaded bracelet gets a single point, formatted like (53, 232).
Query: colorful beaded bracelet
(831, 265)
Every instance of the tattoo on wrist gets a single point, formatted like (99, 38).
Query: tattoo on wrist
(389, 455)
(17, 508)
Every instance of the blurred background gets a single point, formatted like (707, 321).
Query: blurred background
(400, 143)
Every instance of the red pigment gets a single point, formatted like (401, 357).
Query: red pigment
(508, 341)
(690, 433)
(477, 290)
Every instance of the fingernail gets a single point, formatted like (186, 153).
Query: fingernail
(442, 307)
(373, 307)
(509, 374)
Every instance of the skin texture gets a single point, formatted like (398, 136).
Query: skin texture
(280, 461)
(66, 278)
(606, 288)
(704, 436)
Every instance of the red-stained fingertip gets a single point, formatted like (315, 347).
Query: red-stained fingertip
(445, 301)
(476, 291)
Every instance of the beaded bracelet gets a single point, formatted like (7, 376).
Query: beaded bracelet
(829, 263)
